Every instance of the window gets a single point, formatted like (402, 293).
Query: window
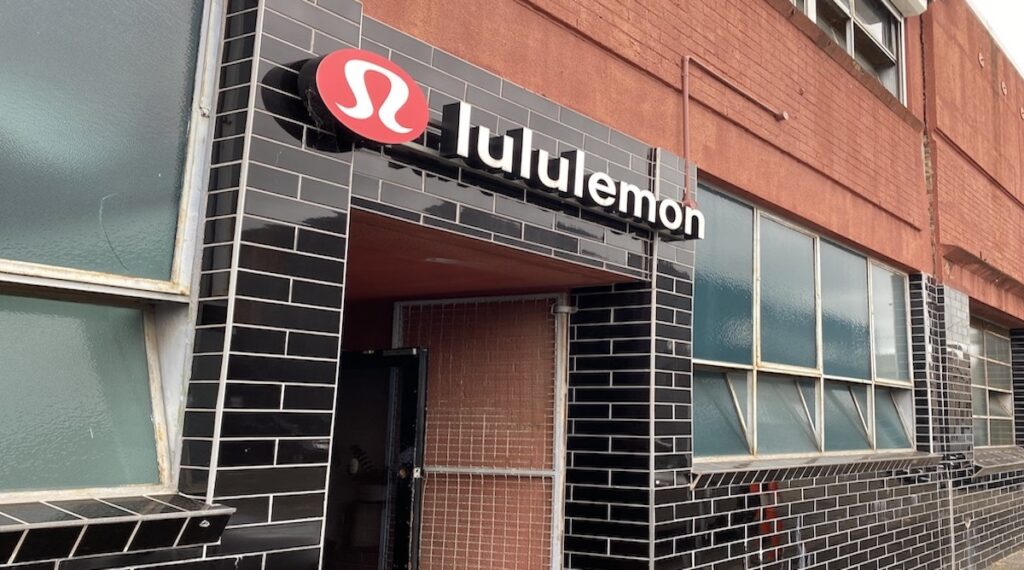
(99, 159)
(991, 385)
(800, 345)
(869, 30)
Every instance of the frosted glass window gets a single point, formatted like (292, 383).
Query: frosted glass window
(716, 421)
(846, 339)
(846, 413)
(890, 309)
(998, 376)
(1000, 432)
(783, 425)
(723, 288)
(76, 409)
(992, 385)
(890, 431)
(805, 399)
(787, 296)
(1000, 405)
(997, 348)
(980, 432)
(979, 401)
(93, 138)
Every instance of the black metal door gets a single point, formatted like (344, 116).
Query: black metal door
(377, 483)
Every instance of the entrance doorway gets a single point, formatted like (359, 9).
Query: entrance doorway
(489, 325)
(373, 507)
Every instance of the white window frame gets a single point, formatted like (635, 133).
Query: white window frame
(749, 418)
(986, 328)
(898, 55)
(149, 296)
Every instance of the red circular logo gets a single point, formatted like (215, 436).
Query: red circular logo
(371, 96)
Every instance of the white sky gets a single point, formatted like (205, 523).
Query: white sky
(1005, 19)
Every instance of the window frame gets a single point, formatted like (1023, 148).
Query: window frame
(149, 296)
(988, 327)
(167, 482)
(898, 54)
(195, 174)
(817, 374)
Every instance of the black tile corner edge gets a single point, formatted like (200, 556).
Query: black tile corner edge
(162, 522)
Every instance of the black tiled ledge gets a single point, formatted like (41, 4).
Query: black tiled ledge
(742, 472)
(52, 530)
(990, 461)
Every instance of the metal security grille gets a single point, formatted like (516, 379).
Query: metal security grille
(492, 457)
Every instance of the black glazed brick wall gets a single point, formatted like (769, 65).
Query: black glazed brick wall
(608, 464)
(269, 324)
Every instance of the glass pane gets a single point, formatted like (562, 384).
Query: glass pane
(977, 340)
(1000, 405)
(1001, 432)
(877, 21)
(980, 432)
(723, 290)
(99, 154)
(997, 348)
(809, 390)
(999, 376)
(716, 426)
(844, 313)
(738, 380)
(979, 401)
(844, 430)
(890, 432)
(874, 60)
(977, 371)
(787, 296)
(832, 21)
(890, 308)
(76, 410)
(782, 425)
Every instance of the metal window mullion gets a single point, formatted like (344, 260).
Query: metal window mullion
(736, 405)
(871, 340)
(756, 348)
(819, 341)
(807, 411)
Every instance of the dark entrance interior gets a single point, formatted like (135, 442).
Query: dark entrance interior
(378, 450)
(374, 493)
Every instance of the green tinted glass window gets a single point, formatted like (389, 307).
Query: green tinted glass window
(890, 310)
(723, 287)
(716, 420)
(846, 340)
(846, 414)
(890, 431)
(787, 296)
(76, 410)
(93, 138)
(783, 416)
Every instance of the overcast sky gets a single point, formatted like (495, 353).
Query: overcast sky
(1005, 18)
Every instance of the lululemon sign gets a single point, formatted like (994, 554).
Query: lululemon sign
(369, 95)
(375, 100)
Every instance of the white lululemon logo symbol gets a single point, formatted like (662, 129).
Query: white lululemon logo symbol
(371, 96)
(355, 75)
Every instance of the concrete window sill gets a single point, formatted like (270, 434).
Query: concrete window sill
(745, 472)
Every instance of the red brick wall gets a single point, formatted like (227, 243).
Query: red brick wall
(490, 403)
(979, 135)
(845, 162)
